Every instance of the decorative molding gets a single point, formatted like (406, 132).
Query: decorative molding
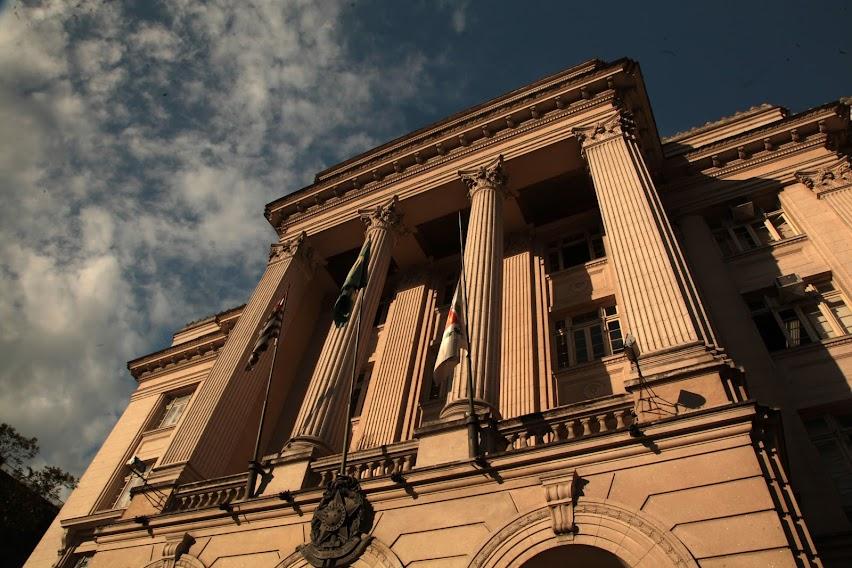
(387, 216)
(830, 178)
(561, 494)
(489, 176)
(290, 248)
(618, 124)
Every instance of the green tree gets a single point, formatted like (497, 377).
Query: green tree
(17, 450)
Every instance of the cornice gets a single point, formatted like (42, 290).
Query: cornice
(508, 113)
(718, 123)
(786, 126)
(829, 178)
(605, 98)
(179, 355)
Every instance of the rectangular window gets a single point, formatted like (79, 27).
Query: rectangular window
(175, 405)
(575, 250)
(587, 336)
(821, 313)
(735, 237)
(832, 436)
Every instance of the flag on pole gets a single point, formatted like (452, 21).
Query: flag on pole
(355, 280)
(268, 333)
(454, 337)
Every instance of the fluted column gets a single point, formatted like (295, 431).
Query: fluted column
(388, 391)
(483, 266)
(659, 300)
(207, 437)
(322, 417)
(518, 384)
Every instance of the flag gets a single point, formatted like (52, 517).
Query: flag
(355, 280)
(454, 337)
(269, 332)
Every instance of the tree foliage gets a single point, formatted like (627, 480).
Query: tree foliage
(17, 450)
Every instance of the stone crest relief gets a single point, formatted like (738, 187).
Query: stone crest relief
(340, 526)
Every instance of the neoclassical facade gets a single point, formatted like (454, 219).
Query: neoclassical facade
(660, 355)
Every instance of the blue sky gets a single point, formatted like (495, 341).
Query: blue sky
(140, 141)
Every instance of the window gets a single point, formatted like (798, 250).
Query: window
(819, 313)
(175, 405)
(832, 436)
(735, 237)
(587, 336)
(575, 250)
(131, 480)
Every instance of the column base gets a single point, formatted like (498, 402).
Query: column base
(458, 409)
(290, 468)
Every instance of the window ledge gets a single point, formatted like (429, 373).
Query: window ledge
(586, 265)
(157, 431)
(769, 247)
(589, 364)
(817, 346)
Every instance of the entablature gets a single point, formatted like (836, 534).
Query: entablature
(441, 150)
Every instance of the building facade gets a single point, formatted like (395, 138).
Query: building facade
(718, 435)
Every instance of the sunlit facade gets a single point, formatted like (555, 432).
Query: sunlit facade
(720, 437)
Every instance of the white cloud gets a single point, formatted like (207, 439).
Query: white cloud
(137, 156)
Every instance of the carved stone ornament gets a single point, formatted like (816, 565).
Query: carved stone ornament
(491, 175)
(561, 494)
(618, 124)
(290, 247)
(387, 216)
(834, 176)
(341, 525)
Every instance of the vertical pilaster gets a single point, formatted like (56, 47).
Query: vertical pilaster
(388, 391)
(207, 436)
(518, 385)
(483, 265)
(321, 419)
(821, 205)
(660, 303)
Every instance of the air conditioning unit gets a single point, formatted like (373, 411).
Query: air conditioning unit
(790, 287)
(743, 212)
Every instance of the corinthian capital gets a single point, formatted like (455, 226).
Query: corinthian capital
(296, 246)
(617, 124)
(492, 175)
(831, 177)
(387, 216)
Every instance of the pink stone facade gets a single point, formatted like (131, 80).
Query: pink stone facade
(723, 439)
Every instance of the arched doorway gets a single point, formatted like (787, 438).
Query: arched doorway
(575, 555)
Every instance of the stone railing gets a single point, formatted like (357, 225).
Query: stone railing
(571, 422)
(368, 464)
(209, 493)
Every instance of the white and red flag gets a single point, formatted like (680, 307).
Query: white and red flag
(454, 337)
(268, 333)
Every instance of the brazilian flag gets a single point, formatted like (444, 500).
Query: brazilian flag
(355, 280)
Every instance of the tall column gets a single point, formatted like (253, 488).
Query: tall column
(518, 382)
(207, 436)
(661, 305)
(483, 266)
(392, 379)
(322, 417)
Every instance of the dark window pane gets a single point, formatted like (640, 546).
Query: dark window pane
(615, 341)
(598, 246)
(772, 335)
(553, 262)
(585, 318)
(762, 233)
(580, 347)
(575, 253)
(597, 342)
(744, 238)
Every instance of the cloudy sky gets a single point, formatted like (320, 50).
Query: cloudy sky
(139, 142)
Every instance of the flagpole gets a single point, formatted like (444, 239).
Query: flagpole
(254, 465)
(471, 420)
(349, 407)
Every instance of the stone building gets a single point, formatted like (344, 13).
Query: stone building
(721, 437)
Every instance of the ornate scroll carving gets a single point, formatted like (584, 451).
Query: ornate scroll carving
(341, 525)
(619, 123)
(176, 546)
(561, 494)
(387, 216)
(491, 175)
(832, 177)
(291, 247)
